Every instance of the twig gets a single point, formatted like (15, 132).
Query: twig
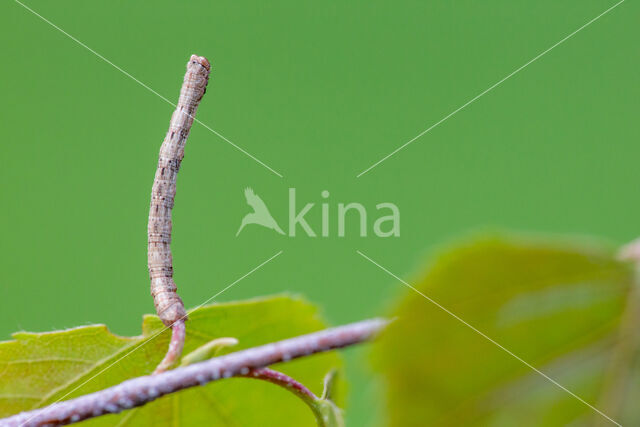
(168, 304)
(142, 390)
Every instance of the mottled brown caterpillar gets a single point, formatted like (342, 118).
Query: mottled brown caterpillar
(168, 304)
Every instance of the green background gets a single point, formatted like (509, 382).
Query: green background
(318, 92)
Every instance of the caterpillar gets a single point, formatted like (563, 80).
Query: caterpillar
(168, 304)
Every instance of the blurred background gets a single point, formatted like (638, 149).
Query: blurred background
(318, 93)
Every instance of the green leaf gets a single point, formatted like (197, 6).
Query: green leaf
(558, 306)
(37, 369)
(327, 413)
(208, 350)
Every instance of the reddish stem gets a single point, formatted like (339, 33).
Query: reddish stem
(282, 380)
(178, 334)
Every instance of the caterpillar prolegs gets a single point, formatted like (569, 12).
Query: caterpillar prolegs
(168, 304)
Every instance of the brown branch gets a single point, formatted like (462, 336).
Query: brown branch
(142, 390)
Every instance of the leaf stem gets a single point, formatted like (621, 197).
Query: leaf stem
(142, 390)
(178, 334)
(283, 380)
(324, 410)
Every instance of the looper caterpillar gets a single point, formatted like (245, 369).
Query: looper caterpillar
(168, 304)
